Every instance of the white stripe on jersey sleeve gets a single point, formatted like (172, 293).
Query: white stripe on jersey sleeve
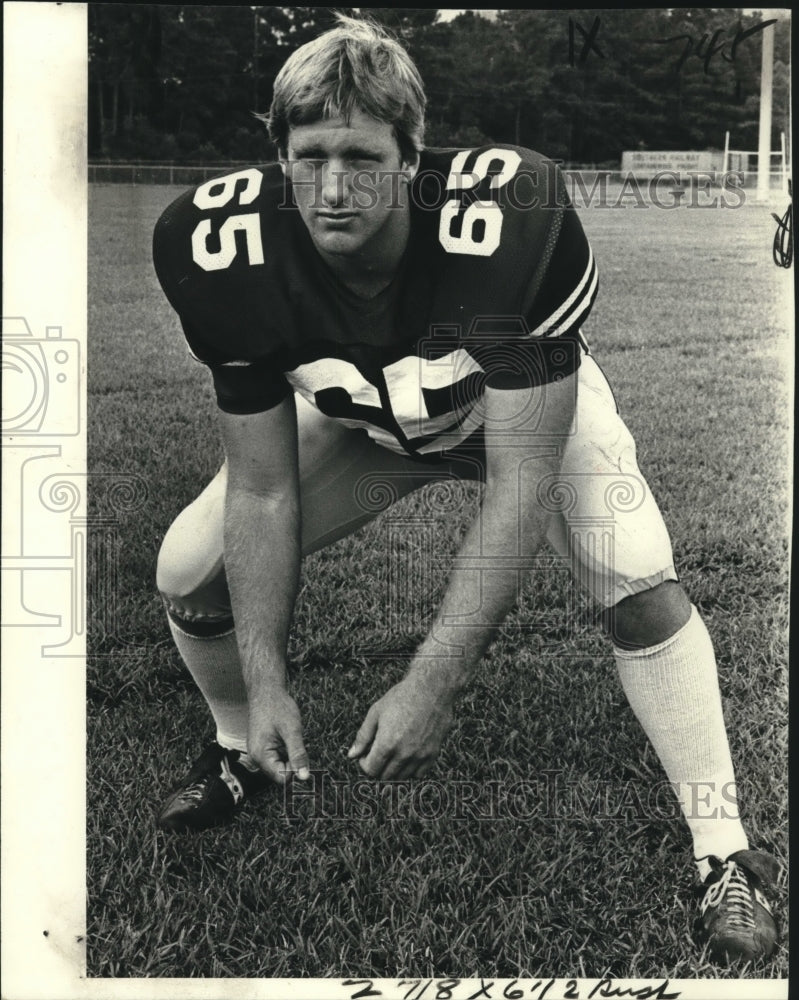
(565, 315)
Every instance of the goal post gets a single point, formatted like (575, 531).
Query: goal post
(764, 175)
(764, 133)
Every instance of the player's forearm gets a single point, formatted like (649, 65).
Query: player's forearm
(262, 562)
(483, 587)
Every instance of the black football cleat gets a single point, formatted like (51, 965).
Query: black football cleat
(212, 793)
(735, 919)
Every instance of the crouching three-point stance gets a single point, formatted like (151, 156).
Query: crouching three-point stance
(374, 311)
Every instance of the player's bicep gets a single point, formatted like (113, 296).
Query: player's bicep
(261, 449)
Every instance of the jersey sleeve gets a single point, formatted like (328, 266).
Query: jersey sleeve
(563, 287)
(525, 270)
(243, 381)
(547, 345)
(558, 295)
(242, 386)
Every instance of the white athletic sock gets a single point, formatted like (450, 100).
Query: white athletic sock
(673, 690)
(213, 662)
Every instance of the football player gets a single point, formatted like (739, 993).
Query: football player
(371, 310)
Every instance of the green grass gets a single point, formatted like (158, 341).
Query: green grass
(691, 328)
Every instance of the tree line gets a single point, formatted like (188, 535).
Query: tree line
(179, 83)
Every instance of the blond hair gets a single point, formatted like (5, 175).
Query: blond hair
(354, 66)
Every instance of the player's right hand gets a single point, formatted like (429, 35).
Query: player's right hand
(275, 739)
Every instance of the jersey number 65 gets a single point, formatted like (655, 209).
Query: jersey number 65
(481, 223)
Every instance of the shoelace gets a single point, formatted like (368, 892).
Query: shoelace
(193, 793)
(232, 782)
(733, 886)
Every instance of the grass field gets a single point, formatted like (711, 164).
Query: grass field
(691, 327)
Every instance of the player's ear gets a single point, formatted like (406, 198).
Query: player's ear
(410, 167)
(282, 159)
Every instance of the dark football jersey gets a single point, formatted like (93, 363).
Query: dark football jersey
(492, 289)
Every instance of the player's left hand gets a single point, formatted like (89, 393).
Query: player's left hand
(402, 733)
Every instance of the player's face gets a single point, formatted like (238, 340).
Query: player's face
(350, 185)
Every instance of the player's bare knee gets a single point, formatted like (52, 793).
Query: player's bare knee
(648, 618)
